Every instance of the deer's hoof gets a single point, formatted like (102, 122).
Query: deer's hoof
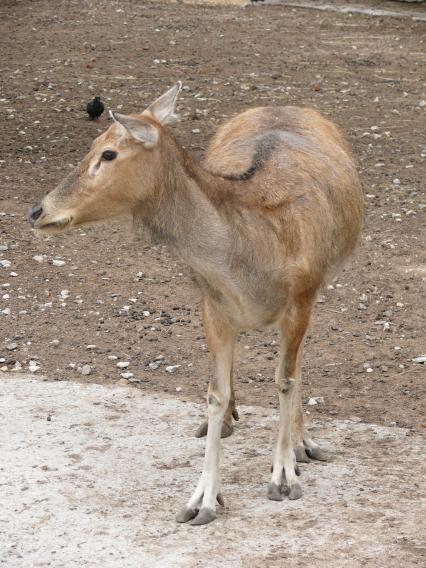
(204, 517)
(201, 431)
(301, 455)
(186, 514)
(274, 492)
(227, 430)
(317, 454)
(295, 491)
(308, 451)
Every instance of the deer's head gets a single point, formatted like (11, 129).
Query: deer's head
(121, 170)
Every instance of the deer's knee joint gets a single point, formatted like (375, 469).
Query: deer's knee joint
(213, 400)
(217, 403)
(285, 386)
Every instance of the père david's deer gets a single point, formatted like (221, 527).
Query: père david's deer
(275, 208)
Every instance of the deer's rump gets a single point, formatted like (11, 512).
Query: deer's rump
(293, 168)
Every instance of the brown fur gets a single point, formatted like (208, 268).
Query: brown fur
(274, 210)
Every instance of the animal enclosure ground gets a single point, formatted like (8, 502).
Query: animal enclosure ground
(69, 305)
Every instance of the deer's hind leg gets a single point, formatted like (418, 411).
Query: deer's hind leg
(305, 448)
(287, 379)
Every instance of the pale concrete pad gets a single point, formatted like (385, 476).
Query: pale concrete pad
(91, 476)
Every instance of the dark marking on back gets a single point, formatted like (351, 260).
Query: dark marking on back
(264, 147)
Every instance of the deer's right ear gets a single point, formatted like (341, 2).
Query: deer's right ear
(139, 129)
(163, 109)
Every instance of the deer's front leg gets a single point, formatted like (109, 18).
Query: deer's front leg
(231, 414)
(201, 507)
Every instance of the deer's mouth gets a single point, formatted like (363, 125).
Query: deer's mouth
(51, 227)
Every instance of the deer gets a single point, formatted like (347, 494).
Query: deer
(270, 214)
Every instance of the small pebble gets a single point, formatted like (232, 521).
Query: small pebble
(123, 364)
(33, 366)
(313, 401)
(126, 375)
(58, 262)
(172, 368)
(86, 370)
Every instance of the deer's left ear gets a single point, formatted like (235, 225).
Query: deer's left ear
(163, 108)
(139, 129)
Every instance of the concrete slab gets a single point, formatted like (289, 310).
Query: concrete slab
(92, 476)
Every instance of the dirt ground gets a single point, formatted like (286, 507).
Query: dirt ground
(74, 306)
(365, 73)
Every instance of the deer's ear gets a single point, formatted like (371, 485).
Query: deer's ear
(139, 129)
(163, 109)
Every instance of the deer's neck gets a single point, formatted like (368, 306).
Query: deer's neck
(186, 212)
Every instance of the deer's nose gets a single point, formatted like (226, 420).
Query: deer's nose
(35, 213)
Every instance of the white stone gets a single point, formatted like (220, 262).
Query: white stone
(33, 366)
(56, 262)
(313, 401)
(126, 375)
(123, 364)
(172, 368)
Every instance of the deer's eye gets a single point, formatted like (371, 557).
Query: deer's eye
(109, 155)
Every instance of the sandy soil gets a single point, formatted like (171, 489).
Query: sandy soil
(92, 476)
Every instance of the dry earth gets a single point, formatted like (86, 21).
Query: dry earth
(90, 310)
(365, 73)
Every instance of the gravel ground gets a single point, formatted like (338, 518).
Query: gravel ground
(74, 306)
